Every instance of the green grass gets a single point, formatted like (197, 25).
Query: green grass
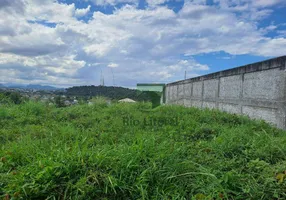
(86, 152)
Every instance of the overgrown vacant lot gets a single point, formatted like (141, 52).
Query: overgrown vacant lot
(87, 152)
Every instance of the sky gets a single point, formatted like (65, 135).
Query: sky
(67, 43)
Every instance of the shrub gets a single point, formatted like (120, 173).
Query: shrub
(87, 152)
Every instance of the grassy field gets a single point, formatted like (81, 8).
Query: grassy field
(110, 152)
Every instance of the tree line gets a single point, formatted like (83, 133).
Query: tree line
(114, 93)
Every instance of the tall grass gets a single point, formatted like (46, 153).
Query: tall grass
(87, 152)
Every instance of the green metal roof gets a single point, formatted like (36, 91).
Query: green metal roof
(150, 84)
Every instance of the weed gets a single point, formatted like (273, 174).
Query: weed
(86, 152)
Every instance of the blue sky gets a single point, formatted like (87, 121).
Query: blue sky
(70, 42)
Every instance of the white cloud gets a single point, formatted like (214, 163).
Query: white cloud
(31, 42)
(266, 3)
(113, 2)
(47, 43)
(161, 74)
(186, 65)
(248, 3)
(282, 33)
(112, 65)
(82, 12)
(250, 9)
(155, 2)
(49, 11)
(39, 70)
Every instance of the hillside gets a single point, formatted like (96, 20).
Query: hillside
(30, 86)
(128, 151)
(115, 93)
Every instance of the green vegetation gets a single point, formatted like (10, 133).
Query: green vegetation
(11, 98)
(87, 152)
(114, 93)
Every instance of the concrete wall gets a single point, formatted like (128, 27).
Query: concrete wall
(257, 90)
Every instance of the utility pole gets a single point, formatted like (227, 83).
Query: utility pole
(185, 75)
(113, 77)
(101, 78)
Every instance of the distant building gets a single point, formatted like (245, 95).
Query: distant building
(156, 87)
(67, 103)
(127, 100)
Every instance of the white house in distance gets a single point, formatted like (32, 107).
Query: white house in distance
(127, 100)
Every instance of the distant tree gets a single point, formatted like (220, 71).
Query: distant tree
(16, 98)
(11, 97)
(113, 93)
(59, 101)
(4, 99)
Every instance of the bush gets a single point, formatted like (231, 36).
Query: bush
(11, 97)
(59, 101)
(88, 152)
